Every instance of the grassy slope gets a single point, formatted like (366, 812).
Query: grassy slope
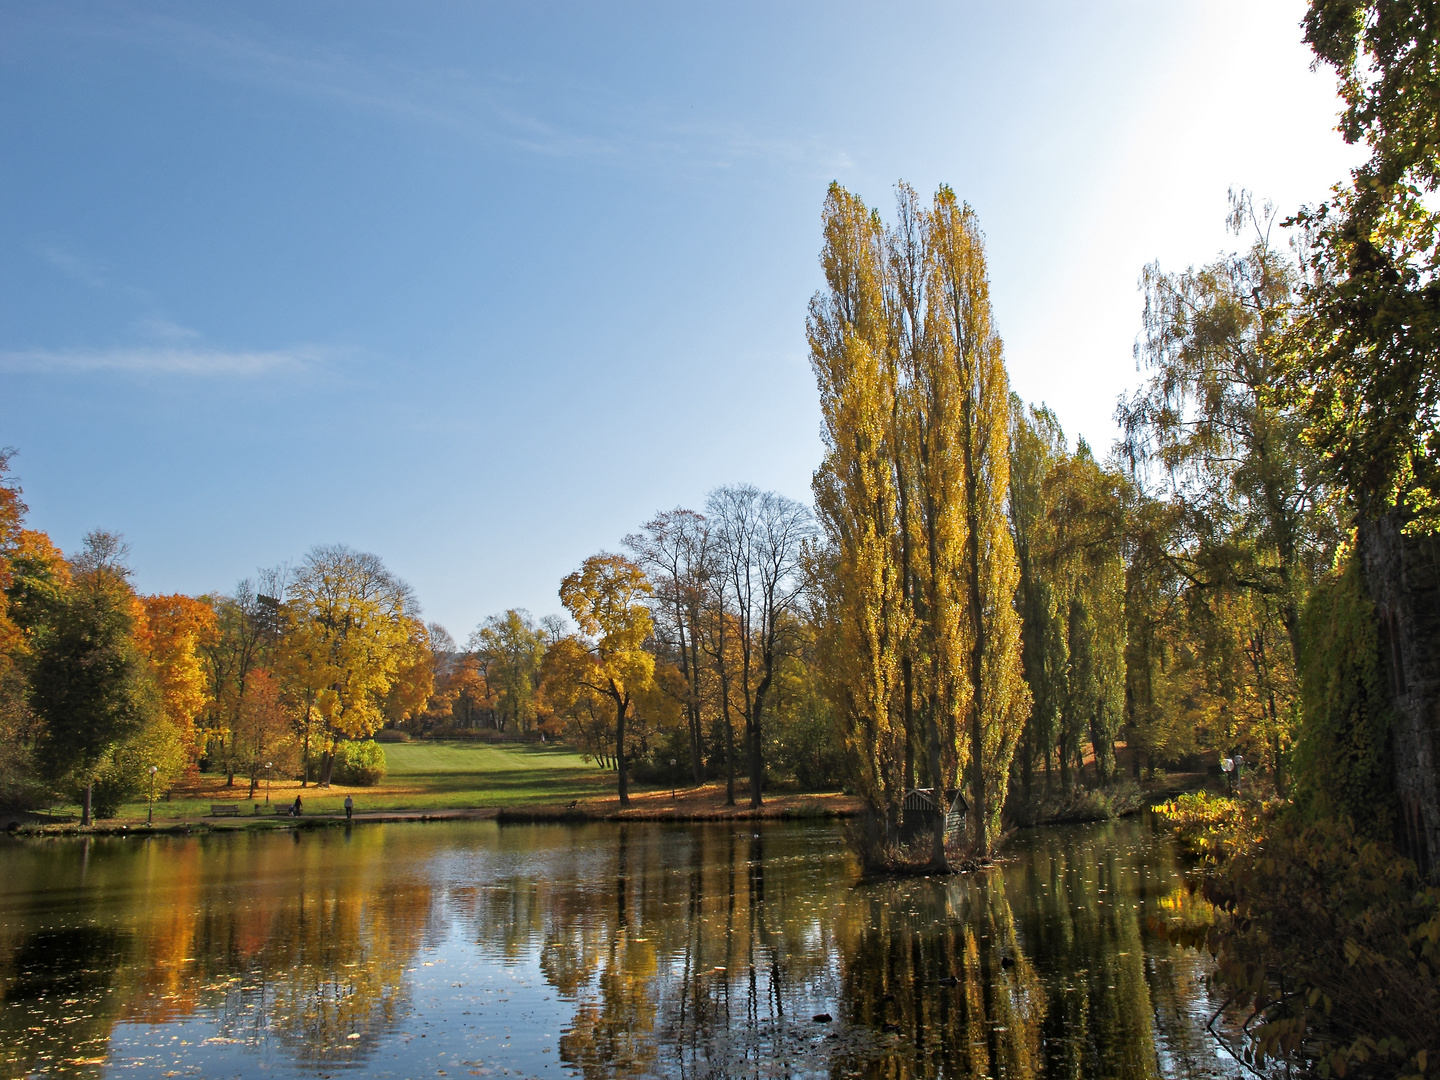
(421, 776)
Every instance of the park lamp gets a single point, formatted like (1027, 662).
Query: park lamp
(150, 810)
(267, 783)
(672, 779)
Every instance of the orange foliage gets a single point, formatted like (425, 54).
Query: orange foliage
(171, 632)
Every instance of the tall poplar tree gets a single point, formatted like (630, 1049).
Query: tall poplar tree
(1037, 446)
(964, 329)
(920, 570)
(864, 608)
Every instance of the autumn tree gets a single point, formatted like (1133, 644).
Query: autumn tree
(719, 637)
(677, 553)
(1363, 360)
(34, 583)
(759, 541)
(999, 700)
(586, 717)
(862, 592)
(916, 399)
(348, 634)
(89, 680)
(414, 682)
(177, 631)
(247, 627)
(1037, 447)
(510, 648)
(265, 732)
(1086, 503)
(607, 598)
(1256, 518)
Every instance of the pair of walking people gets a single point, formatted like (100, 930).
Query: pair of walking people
(349, 808)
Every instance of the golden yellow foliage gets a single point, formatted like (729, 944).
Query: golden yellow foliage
(171, 634)
(606, 599)
(922, 639)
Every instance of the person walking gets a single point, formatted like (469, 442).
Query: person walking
(295, 809)
(349, 808)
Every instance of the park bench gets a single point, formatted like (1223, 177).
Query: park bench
(224, 810)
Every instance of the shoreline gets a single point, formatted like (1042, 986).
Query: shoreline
(643, 808)
(788, 809)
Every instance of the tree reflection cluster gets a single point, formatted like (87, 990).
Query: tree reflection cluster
(703, 951)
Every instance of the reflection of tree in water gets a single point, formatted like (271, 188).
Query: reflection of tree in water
(613, 1036)
(1082, 912)
(332, 966)
(57, 1000)
(700, 959)
(713, 946)
(700, 951)
(306, 943)
(938, 962)
(301, 969)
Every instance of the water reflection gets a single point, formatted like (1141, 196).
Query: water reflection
(595, 951)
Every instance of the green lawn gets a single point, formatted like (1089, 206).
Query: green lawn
(420, 776)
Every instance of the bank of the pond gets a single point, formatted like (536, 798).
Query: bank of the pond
(706, 803)
(701, 804)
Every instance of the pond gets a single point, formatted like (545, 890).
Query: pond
(473, 949)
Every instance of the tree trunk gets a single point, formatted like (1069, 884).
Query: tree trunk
(622, 706)
(697, 746)
(757, 752)
(85, 806)
(1402, 574)
(939, 803)
(980, 801)
(729, 739)
(692, 675)
(1027, 763)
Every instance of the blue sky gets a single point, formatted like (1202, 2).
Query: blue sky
(480, 287)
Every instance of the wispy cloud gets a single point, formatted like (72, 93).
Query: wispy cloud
(578, 119)
(72, 265)
(197, 362)
(159, 328)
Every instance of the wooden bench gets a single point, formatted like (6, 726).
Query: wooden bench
(224, 810)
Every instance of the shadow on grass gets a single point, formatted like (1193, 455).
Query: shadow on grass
(534, 782)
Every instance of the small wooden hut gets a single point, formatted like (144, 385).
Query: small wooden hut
(920, 807)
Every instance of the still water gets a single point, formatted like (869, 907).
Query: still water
(690, 951)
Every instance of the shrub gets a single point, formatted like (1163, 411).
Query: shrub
(360, 763)
(1215, 826)
(1082, 804)
(1331, 940)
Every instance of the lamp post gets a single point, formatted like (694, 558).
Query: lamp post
(267, 783)
(150, 810)
(672, 779)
